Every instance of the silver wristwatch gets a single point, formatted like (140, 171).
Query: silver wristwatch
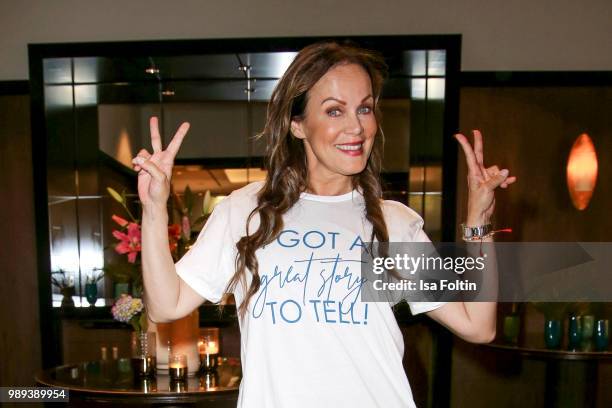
(475, 233)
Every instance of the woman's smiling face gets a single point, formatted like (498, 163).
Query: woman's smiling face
(339, 124)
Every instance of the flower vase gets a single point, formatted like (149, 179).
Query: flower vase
(67, 293)
(512, 328)
(144, 352)
(552, 333)
(588, 325)
(574, 333)
(91, 293)
(602, 334)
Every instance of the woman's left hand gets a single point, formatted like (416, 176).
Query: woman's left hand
(482, 181)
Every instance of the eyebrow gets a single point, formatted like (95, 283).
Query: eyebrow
(341, 101)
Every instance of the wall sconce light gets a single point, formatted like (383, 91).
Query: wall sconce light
(582, 171)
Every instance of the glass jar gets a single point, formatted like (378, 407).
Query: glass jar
(144, 354)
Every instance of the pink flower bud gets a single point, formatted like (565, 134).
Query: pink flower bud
(122, 222)
(186, 228)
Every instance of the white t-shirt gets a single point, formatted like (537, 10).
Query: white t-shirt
(297, 348)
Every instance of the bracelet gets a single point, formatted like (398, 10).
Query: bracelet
(476, 233)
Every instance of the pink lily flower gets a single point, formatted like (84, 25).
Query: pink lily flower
(130, 242)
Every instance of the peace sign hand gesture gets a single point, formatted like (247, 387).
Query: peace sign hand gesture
(482, 181)
(155, 170)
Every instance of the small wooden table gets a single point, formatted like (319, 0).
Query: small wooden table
(112, 382)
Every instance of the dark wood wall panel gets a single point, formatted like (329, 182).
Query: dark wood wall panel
(19, 325)
(531, 130)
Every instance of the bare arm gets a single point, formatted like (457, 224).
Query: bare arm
(476, 321)
(167, 296)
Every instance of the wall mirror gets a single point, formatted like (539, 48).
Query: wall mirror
(91, 104)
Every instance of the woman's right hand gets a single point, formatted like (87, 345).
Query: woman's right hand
(155, 170)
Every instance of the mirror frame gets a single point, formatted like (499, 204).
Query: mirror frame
(50, 336)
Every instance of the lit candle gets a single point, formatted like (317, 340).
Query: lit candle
(178, 367)
(208, 348)
(212, 347)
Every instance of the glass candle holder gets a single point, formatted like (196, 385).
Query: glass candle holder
(208, 349)
(177, 367)
(184, 339)
(574, 333)
(588, 325)
(144, 351)
(552, 333)
(602, 334)
(512, 327)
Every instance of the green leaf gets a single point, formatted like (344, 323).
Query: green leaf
(144, 322)
(206, 203)
(188, 198)
(123, 272)
(135, 322)
(118, 197)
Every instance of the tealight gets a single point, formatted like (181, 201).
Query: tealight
(177, 367)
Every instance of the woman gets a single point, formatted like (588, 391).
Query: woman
(307, 339)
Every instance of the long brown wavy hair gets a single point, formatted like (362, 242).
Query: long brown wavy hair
(286, 161)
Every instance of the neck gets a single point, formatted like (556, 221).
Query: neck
(337, 186)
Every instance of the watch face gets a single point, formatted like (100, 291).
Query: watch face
(480, 231)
